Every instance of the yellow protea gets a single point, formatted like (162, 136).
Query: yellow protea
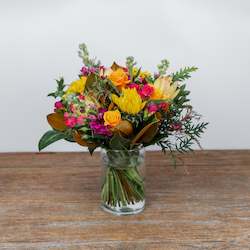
(129, 102)
(164, 88)
(77, 87)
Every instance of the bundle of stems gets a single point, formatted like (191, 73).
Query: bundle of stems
(122, 186)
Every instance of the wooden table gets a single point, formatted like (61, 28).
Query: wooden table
(51, 201)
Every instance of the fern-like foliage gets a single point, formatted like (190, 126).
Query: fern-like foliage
(183, 74)
(59, 91)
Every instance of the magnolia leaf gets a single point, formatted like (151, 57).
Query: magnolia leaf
(115, 66)
(111, 106)
(78, 138)
(125, 127)
(89, 82)
(56, 121)
(147, 133)
(118, 142)
(158, 115)
(50, 137)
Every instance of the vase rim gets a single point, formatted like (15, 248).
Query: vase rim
(137, 149)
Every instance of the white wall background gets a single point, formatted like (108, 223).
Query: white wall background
(39, 42)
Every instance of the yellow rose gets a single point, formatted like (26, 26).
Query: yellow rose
(77, 87)
(118, 77)
(164, 88)
(112, 118)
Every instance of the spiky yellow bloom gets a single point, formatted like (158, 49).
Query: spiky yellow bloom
(129, 102)
(77, 87)
(164, 88)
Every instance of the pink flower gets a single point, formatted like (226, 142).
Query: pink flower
(72, 108)
(164, 106)
(71, 121)
(176, 126)
(81, 97)
(84, 71)
(66, 115)
(59, 105)
(152, 108)
(80, 120)
(146, 91)
(134, 86)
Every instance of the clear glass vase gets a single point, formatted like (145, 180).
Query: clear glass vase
(122, 186)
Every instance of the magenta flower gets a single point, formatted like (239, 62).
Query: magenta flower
(59, 105)
(99, 129)
(81, 97)
(84, 71)
(164, 106)
(152, 108)
(146, 91)
(134, 86)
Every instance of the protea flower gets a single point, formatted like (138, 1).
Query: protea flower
(164, 88)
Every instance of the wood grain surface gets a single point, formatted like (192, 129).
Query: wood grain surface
(51, 201)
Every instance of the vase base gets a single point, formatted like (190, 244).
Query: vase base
(127, 210)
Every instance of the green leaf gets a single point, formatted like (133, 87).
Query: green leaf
(50, 137)
(60, 86)
(183, 74)
(118, 142)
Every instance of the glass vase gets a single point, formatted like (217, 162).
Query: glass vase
(122, 186)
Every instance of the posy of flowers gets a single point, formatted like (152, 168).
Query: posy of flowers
(124, 107)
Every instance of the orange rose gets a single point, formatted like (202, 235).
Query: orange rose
(112, 118)
(119, 78)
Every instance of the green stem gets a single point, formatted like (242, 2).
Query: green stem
(122, 186)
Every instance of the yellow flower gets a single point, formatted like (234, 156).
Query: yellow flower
(164, 88)
(129, 102)
(77, 87)
(143, 74)
(112, 118)
(118, 77)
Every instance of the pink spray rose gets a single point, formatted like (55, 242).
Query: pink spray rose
(146, 91)
(152, 108)
(59, 105)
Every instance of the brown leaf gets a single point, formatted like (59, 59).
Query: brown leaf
(158, 115)
(56, 121)
(125, 127)
(147, 133)
(111, 106)
(78, 138)
(115, 66)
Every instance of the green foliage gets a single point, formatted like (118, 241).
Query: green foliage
(195, 130)
(84, 54)
(100, 89)
(50, 137)
(118, 142)
(59, 91)
(183, 74)
(130, 63)
(163, 66)
(181, 99)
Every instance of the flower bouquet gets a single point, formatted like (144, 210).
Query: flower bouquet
(122, 110)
